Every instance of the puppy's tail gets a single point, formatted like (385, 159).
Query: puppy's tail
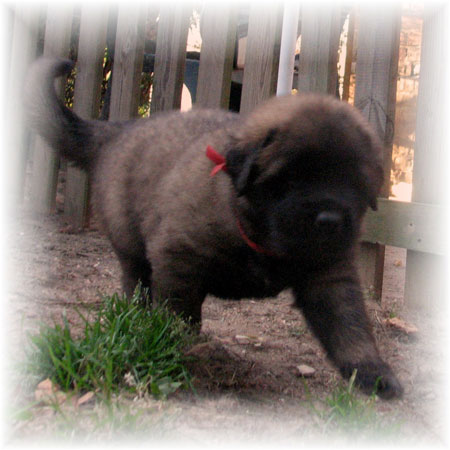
(76, 139)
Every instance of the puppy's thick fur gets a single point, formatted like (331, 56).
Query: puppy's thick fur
(300, 174)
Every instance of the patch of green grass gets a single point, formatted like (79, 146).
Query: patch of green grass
(125, 345)
(349, 409)
(348, 412)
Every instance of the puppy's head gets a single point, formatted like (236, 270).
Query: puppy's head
(305, 168)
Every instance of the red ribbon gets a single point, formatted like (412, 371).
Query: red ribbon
(217, 159)
(221, 164)
(253, 245)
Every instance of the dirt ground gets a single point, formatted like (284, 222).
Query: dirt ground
(246, 378)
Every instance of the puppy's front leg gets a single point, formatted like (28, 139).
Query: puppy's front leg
(177, 282)
(334, 308)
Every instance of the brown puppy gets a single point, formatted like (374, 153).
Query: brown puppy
(283, 208)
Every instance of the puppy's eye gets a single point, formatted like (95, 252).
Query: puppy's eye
(277, 186)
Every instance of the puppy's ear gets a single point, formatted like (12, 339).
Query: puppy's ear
(241, 162)
(241, 166)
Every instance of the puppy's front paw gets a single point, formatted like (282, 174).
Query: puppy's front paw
(374, 377)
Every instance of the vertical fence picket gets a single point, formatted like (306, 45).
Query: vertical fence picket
(426, 277)
(91, 51)
(23, 51)
(319, 48)
(45, 161)
(128, 61)
(216, 60)
(376, 82)
(262, 54)
(170, 58)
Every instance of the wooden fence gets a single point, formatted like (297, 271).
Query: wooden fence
(419, 226)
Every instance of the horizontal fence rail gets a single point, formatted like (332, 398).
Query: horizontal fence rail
(415, 226)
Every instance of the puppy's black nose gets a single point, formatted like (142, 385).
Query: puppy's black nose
(329, 221)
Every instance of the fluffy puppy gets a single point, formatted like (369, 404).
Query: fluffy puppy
(276, 202)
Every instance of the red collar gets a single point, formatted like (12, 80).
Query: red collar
(253, 245)
(220, 164)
